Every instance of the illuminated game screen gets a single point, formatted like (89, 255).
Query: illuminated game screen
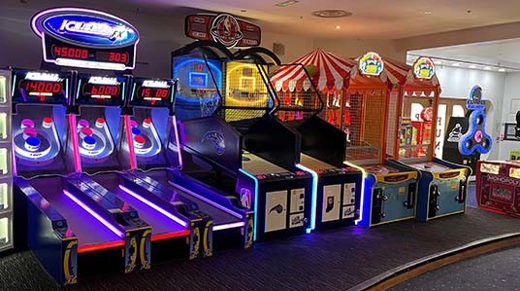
(157, 93)
(246, 88)
(100, 90)
(199, 85)
(44, 87)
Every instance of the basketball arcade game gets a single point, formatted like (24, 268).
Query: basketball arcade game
(236, 146)
(390, 188)
(337, 189)
(6, 175)
(442, 185)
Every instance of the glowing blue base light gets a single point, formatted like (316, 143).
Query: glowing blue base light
(314, 197)
(255, 179)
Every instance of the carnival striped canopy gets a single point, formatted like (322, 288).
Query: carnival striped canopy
(407, 77)
(327, 71)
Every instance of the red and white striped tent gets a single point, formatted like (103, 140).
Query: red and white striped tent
(405, 77)
(328, 72)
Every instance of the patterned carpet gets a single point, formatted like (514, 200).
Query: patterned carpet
(328, 260)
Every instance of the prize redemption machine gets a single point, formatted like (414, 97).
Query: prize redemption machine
(442, 184)
(235, 145)
(6, 199)
(103, 136)
(390, 188)
(336, 188)
(60, 215)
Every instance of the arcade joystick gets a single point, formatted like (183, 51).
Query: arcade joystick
(28, 132)
(139, 141)
(47, 122)
(147, 122)
(100, 122)
(88, 143)
(84, 132)
(27, 123)
(83, 123)
(32, 144)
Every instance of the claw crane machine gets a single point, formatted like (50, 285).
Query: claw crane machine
(442, 184)
(390, 188)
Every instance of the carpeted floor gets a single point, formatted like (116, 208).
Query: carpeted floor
(328, 260)
(497, 271)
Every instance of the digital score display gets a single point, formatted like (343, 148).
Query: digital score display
(40, 87)
(87, 54)
(155, 93)
(98, 90)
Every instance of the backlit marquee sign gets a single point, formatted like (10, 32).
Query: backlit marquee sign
(223, 28)
(423, 68)
(86, 38)
(371, 64)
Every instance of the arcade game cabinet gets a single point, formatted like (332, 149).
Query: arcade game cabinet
(233, 143)
(337, 188)
(390, 188)
(442, 185)
(6, 175)
(105, 151)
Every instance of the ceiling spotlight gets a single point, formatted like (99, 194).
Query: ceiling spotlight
(487, 68)
(286, 3)
(456, 64)
(427, 13)
(331, 13)
(338, 27)
(501, 70)
(472, 67)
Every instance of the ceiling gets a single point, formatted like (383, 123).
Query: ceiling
(485, 55)
(371, 19)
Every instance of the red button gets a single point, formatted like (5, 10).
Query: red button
(139, 139)
(147, 121)
(100, 120)
(47, 120)
(86, 131)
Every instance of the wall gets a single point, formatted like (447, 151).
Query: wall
(511, 91)
(457, 83)
(160, 34)
(353, 48)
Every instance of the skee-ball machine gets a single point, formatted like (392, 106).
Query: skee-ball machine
(442, 184)
(245, 152)
(337, 188)
(153, 128)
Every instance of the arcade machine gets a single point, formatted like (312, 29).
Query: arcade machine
(57, 211)
(104, 151)
(337, 189)
(442, 184)
(232, 140)
(6, 175)
(62, 213)
(390, 188)
(153, 128)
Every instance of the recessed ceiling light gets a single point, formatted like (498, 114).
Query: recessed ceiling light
(472, 67)
(456, 64)
(331, 13)
(286, 3)
(243, 11)
(338, 27)
(501, 70)
(487, 68)
(427, 13)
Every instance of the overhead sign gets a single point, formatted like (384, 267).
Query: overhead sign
(223, 28)
(371, 64)
(86, 38)
(423, 68)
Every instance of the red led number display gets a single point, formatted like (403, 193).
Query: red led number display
(117, 57)
(104, 90)
(154, 93)
(69, 52)
(42, 87)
